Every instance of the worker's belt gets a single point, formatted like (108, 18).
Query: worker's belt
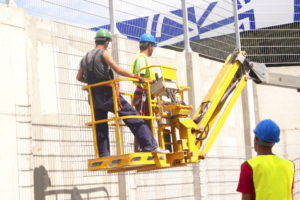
(138, 94)
(107, 84)
(120, 106)
(139, 89)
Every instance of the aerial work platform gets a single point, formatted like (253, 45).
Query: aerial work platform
(142, 161)
(188, 139)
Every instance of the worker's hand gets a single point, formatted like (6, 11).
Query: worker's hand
(141, 79)
(150, 81)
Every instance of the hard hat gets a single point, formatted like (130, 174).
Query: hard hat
(146, 37)
(103, 33)
(267, 130)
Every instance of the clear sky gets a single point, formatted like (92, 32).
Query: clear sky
(91, 13)
(208, 13)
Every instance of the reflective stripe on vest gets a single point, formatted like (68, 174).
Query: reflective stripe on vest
(149, 72)
(272, 177)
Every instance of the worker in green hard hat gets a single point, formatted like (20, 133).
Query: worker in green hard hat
(103, 34)
(96, 66)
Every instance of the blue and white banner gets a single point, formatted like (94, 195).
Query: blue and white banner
(210, 19)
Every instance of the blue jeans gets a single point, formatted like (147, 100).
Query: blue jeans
(138, 127)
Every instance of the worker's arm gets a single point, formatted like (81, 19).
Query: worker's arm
(246, 196)
(119, 70)
(245, 185)
(79, 76)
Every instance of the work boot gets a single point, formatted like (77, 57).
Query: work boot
(160, 150)
(137, 147)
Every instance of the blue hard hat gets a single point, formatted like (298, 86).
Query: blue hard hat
(146, 37)
(267, 130)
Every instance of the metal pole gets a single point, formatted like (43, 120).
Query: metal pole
(187, 47)
(247, 94)
(11, 3)
(113, 28)
(236, 25)
(122, 183)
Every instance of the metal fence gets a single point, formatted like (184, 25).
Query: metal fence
(206, 27)
(279, 42)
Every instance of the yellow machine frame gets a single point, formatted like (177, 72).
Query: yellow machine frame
(190, 139)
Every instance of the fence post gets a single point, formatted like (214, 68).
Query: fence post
(11, 3)
(187, 47)
(113, 28)
(236, 25)
(122, 183)
(189, 57)
(246, 95)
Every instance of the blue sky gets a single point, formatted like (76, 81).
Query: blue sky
(84, 13)
(95, 13)
(91, 13)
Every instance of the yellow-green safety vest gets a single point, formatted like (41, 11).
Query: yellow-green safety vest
(272, 177)
(149, 72)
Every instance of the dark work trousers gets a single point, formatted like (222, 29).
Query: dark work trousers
(143, 110)
(103, 103)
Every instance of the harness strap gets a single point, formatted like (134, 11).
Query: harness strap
(118, 96)
(107, 84)
(138, 89)
(94, 56)
(137, 96)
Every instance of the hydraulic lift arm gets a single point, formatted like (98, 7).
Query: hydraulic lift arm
(227, 87)
(260, 74)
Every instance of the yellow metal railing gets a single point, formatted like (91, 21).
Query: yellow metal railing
(167, 73)
(116, 118)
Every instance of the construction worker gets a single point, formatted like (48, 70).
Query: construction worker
(140, 99)
(95, 67)
(266, 176)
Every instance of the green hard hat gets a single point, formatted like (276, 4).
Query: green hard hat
(103, 33)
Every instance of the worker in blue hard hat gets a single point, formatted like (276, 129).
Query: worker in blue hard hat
(140, 102)
(146, 45)
(266, 176)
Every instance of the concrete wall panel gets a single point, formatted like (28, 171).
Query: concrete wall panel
(45, 144)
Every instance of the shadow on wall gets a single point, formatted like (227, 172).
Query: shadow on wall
(42, 182)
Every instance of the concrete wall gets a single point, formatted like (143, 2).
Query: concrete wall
(45, 145)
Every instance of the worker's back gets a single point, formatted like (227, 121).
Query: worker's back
(95, 69)
(272, 177)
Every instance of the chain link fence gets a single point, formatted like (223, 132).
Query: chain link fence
(211, 34)
(210, 24)
(275, 37)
